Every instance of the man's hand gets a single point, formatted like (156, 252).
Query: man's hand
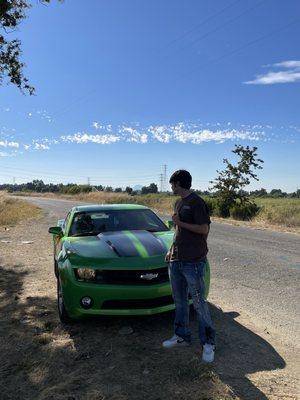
(202, 229)
(168, 256)
(176, 220)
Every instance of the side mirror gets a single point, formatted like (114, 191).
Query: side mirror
(170, 224)
(56, 230)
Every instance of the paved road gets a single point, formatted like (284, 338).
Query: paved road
(254, 272)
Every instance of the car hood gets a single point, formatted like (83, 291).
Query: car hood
(119, 249)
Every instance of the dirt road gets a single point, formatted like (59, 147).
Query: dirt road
(254, 302)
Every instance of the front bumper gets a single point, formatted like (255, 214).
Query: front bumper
(117, 299)
(114, 299)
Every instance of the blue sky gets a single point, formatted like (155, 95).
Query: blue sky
(124, 87)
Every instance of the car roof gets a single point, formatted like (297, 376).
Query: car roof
(107, 207)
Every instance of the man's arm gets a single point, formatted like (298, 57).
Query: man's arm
(200, 229)
(168, 255)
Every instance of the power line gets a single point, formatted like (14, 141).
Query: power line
(224, 24)
(68, 106)
(260, 38)
(196, 27)
(50, 173)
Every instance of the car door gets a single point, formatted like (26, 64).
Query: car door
(58, 241)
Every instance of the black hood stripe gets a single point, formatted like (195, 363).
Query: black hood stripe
(152, 244)
(121, 244)
(135, 243)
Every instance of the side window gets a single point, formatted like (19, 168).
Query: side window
(66, 223)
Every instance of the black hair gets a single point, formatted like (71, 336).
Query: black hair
(183, 177)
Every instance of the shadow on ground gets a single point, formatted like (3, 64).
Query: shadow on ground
(89, 360)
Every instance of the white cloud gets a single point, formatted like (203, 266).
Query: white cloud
(2, 154)
(288, 64)
(132, 135)
(5, 143)
(180, 132)
(41, 146)
(289, 73)
(86, 138)
(219, 136)
(195, 133)
(97, 125)
(160, 133)
(190, 133)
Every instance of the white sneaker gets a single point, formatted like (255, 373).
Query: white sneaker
(208, 353)
(175, 341)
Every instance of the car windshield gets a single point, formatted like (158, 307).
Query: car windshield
(94, 222)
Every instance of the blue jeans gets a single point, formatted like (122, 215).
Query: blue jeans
(188, 277)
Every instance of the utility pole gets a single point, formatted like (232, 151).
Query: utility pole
(161, 179)
(89, 181)
(165, 177)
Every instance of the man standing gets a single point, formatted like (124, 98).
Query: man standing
(187, 264)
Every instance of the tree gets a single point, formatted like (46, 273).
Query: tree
(12, 12)
(259, 193)
(128, 189)
(277, 193)
(229, 185)
(152, 188)
(296, 194)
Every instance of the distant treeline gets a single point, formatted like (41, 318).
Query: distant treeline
(39, 186)
(72, 188)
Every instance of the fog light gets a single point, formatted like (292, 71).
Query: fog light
(86, 302)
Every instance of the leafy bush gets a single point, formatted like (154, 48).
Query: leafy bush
(222, 208)
(211, 204)
(245, 211)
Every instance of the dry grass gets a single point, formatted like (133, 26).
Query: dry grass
(159, 202)
(279, 212)
(13, 211)
(283, 212)
(274, 212)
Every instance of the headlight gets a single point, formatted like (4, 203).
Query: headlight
(87, 274)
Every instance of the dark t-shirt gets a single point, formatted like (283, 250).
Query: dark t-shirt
(188, 245)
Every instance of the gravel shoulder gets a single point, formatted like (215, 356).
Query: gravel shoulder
(93, 360)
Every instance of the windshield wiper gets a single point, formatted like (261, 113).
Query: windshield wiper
(85, 234)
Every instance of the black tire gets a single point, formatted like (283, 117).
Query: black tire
(62, 312)
(55, 268)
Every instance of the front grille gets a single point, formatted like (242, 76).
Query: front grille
(137, 303)
(132, 277)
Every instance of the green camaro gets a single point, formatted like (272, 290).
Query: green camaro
(109, 260)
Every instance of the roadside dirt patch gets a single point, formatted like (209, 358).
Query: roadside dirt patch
(42, 359)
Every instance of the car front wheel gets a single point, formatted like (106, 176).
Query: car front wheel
(62, 312)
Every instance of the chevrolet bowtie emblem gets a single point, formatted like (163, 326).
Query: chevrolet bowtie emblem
(148, 277)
